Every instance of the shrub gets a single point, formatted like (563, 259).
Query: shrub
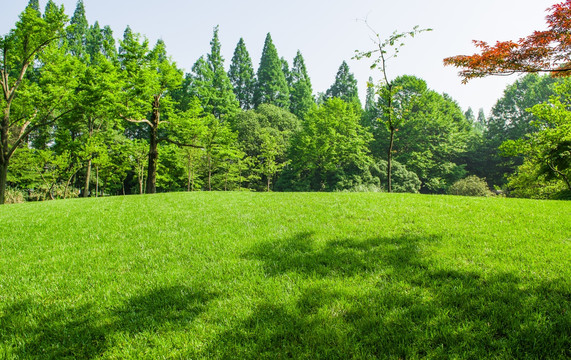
(14, 196)
(403, 180)
(470, 186)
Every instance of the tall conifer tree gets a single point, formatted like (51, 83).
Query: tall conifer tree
(301, 95)
(35, 4)
(215, 92)
(242, 77)
(77, 33)
(345, 86)
(271, 87)
(371, 112)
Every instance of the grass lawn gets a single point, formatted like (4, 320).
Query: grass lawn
(285, 275)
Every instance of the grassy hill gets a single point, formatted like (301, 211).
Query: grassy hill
(252, 275)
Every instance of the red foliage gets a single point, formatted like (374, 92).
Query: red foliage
(542, 51)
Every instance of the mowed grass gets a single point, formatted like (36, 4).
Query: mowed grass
(281, 275)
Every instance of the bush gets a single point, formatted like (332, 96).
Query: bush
(402, 179)
(470, 186)
(14, 196)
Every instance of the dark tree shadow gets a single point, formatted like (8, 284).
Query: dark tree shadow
(341, 258)
(415, 310)
(84, 332)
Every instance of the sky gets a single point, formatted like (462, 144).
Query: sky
(327, 32)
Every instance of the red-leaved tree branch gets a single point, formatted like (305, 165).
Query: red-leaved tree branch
(542, 51)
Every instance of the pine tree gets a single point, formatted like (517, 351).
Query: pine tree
(287, 73)
(481, 117)
(371, 112)
(215, 89)
(469, 114)
(35, 4)
(271, 87)
(76, 35)
(301, 95)
(241, 76)
(345, 86)
(50, 8)
(94, 40)
(109, 45)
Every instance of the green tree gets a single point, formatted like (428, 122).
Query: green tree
(77, 32)
(28, 105)
(392, 114)
(271, 86)
(301, 93)
(546, 151)
(35, 5)
(211, 85)
(345, 86)
(432, 136)
(266, 129)
(510, 120)
(330, 152)
(371, 110)
(148, 79)
(241, 76)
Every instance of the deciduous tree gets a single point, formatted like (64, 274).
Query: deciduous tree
(392, 114)
(25, 104)
(543, 51)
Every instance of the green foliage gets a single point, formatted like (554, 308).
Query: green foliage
(266, 133)
(510, 120)
(242, 76)
(470, 186)
(547, 151)
(220, 100)
(271, 85)
(77, 32)
(211, 85)
(404, 181)
(301, 93)
(32, 100)
(330, 152)
(430, 132)
(345, 86)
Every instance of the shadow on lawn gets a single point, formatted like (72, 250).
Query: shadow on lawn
(84, 332)
(415, 309)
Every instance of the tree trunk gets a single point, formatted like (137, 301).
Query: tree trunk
(390, 161)
(87, 179)
(3, 180)
(189, 173)
(153, 149)
(141, 180)
(96, 181)
(209, 173)
(4, 159)
(269, 181)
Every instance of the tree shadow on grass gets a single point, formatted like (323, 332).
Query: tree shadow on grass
(414, 309)
(339, 258)
(30, 329)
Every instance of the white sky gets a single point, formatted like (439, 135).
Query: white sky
(327, 32)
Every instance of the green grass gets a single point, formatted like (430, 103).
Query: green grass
(315, 276)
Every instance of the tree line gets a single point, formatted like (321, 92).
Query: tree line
(87, 115)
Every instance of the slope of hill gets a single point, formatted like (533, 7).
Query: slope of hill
(286, 275)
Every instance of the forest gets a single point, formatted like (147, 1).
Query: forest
(85, 114)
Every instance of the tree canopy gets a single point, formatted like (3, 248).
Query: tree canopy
(542, 51)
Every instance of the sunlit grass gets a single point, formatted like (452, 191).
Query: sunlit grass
(321, 275)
